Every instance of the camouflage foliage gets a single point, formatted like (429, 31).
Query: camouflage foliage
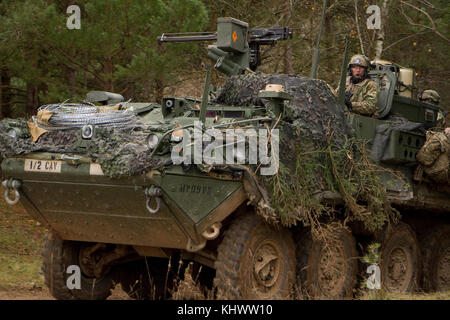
(312, 108)
(317, 153)
(22, 144)
(120, 151)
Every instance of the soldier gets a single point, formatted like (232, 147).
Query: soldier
(430, 96)
(361, 93)
(434, 156)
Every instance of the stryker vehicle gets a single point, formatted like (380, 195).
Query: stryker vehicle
(139, 230)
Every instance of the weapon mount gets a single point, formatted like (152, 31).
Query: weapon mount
(237, 48)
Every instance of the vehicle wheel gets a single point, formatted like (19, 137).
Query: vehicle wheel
(400, 259)
(436, 259)
(147, 279)
(58, 255)
(54, 269)
(255, 261)
(327, 270)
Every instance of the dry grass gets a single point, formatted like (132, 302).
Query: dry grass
(188, 288)
(383, 295)
(21, 241)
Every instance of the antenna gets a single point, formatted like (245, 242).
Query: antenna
(315, 63)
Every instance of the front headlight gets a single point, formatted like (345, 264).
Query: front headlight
(152, 141)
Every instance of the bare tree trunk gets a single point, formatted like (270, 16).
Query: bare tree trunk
(288, 68)
(109, 71)
(2, 103)
(380, 33)
(1, 100)
(71, 79)
(159, 89)
(85, 79)
(5, 94)
(32, 99)
(357, 28)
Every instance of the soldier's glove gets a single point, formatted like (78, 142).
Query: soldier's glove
(348, 96)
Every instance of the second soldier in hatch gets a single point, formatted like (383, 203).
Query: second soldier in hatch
(430, 96)
(434, 155)
(361, 92)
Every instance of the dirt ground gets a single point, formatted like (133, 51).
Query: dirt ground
(44, 294)
(21, 242)
(23, 294)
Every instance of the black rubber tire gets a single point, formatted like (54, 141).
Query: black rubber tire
(435, 256)
(310, 259)
(53, 267)
(58, 255)
(243, 245)
(148, 280)
(400, 263)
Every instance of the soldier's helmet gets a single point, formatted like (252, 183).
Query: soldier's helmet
(358, 60)
(430, 96)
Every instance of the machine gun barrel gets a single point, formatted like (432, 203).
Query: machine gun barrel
(260, 36)
(188, 36)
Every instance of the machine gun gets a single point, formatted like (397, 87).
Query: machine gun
(237, 48)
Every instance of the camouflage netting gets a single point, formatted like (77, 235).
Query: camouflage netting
(312, 108)
(10, 146)
(317, 153)
(119, 151)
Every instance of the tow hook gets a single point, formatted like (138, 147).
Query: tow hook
(155, 192)
(12, 185)
(212, 232)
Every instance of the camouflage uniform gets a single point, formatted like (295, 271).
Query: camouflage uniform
(364, 96)
(435, 155)
(443, 121)
(363, 93)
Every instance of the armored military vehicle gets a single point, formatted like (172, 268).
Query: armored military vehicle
(125, 199)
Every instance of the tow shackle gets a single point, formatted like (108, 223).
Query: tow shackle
(12, 185)
(153, 192)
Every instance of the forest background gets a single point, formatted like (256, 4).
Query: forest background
(115, 49)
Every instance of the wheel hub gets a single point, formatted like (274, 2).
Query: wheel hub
(88, 261)
(398, 265)
(266, 265)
